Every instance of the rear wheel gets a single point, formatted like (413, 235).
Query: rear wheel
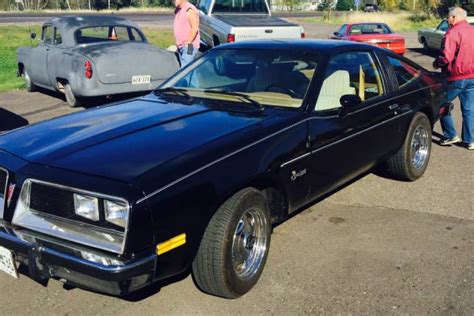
(71, 99)
(411, 161)
(30, 86)
(216, 41)
(235, 246)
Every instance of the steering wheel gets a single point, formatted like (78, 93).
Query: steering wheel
(284, 90)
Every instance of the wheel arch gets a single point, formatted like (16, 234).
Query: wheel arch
(429, 113)
(21, 68)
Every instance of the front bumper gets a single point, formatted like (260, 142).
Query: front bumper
(45, 261)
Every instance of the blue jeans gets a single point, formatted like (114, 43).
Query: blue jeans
(184, 57)
(464, 89)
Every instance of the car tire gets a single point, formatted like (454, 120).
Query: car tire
(234, 249)
(426, 48)
(30, 86)
(72, 100)
(412, 159)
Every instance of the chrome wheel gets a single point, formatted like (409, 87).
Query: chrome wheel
(419, 147)
(249, 245)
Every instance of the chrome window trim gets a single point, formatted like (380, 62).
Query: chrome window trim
(3, 202)
(86, 192)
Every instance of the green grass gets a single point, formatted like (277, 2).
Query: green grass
(12, 37)
(398, 21)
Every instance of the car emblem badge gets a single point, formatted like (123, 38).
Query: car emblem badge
(11, 189)
(296, 174)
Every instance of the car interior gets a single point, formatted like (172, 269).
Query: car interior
(280, 81)
(353, 73)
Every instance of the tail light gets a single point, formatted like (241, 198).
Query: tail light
(230, 38)
(88, 69)
(303, 35)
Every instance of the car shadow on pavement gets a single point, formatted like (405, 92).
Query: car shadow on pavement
(10, 120)
(93, 102)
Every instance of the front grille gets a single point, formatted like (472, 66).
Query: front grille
(51, 200)
(3, 189)
(59, 202)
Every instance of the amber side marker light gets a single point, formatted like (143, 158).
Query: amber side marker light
(171, 244)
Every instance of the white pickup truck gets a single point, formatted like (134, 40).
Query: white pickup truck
(226, 21)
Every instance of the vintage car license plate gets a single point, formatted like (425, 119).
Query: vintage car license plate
(7, 263)
(141, 79)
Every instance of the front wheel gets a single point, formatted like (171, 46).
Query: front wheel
(411, 161)
(30, 86)
(235, 246)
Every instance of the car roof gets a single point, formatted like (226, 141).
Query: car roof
(313, 45)
(70, 23)
(78, 21)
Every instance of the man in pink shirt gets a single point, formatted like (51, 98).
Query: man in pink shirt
(457, 61)
(186, 31)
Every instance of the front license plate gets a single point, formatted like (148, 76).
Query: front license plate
(7, 263)
(141, 79)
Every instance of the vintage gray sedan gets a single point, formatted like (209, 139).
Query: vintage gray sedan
(91, 56)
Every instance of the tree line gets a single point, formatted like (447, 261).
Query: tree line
(436, 7)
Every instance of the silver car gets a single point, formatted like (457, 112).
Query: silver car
(91, 56)
(431, 39)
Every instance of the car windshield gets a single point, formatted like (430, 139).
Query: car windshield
(374, 28)
(108, 33)
(269, 77)
(237, 6)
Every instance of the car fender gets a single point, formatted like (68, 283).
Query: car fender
(23, 58)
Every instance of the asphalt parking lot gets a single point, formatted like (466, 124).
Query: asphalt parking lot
(377, 246)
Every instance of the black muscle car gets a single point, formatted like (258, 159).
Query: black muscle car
(193, 176)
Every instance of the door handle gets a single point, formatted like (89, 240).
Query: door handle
(393, 106)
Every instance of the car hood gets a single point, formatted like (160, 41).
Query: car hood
(123, 141)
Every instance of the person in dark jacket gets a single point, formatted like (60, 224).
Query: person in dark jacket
(457, 61)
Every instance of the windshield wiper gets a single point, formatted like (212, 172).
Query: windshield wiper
(244, 96)
(177, 91)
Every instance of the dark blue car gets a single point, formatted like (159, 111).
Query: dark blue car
(192, 177)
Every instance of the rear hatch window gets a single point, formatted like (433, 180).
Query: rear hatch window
(113, 33)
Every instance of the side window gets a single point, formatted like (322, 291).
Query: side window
(443, 26)
(203, 6)
(342, 30)
(47, 36)
(403, 71)
(135, 36)
(58, 40)
(349, 73)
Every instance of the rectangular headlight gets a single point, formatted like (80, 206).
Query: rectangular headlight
(116, 213)
(91, 205)
(86, 206)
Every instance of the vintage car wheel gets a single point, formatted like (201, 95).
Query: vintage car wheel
(426, 48)
(30, 86)
(71, 99)
(235, 246)
(411, 161)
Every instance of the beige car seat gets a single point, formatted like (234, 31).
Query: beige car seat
(333, 88)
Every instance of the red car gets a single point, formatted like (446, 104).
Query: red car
(378, 34)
